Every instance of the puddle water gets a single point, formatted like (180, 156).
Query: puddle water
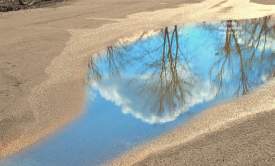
(142, 89)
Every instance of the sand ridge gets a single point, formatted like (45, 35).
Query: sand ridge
(246, 142)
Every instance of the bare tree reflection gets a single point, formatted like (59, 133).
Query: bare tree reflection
(165, 80)
(164, 69)
(245, 41)
(172, 89)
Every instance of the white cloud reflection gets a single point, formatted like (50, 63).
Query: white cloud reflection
(127, 95)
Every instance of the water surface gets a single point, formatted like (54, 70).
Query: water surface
(141, 89)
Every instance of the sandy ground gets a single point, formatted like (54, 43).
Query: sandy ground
(251, 142)
(266, 2)
(44, 55)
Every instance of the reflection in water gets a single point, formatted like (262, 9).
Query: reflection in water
(156, 79)
(153, 84)
(248, 44)
(167, 77)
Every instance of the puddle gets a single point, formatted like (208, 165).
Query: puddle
(139, 90)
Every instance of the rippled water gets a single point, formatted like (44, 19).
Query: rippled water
(144, 88)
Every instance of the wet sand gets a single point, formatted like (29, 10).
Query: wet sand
(44, 55)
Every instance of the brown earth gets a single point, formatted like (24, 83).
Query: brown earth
(251, 142)
(266, 2)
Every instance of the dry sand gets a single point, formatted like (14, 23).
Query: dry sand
(266, 2)
(44, 55)
(251, 142)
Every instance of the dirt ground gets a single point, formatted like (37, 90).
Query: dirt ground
(266, 2)
(251, 142)
(14, 5)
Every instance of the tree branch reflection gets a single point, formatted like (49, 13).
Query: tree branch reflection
(158, 70)
(245, 42)
(165, 72)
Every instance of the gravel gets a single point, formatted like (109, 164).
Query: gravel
(13, 5)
